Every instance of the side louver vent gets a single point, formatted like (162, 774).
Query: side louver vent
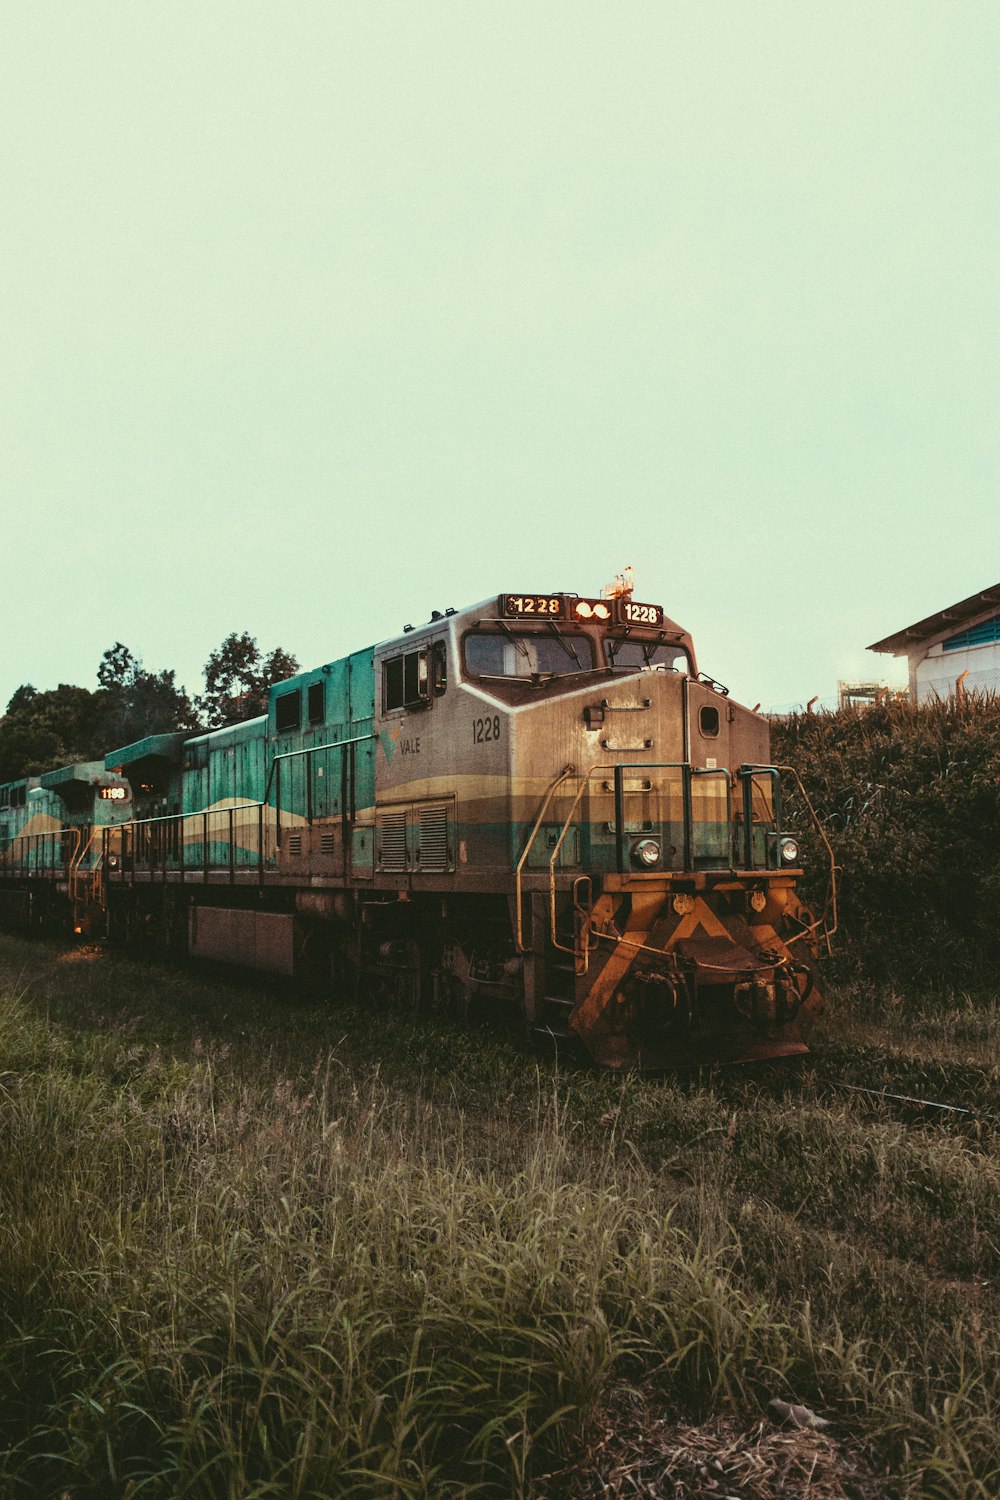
(327, 843)
(432, 839)
(295, 844)
(391, 843)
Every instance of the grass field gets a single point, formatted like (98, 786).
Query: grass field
(253, 1245)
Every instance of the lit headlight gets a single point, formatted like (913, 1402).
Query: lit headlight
(646, 852)
(789, 851)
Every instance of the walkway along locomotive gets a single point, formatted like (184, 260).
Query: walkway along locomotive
(537, 800)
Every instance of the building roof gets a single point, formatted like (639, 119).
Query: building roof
(899, 643)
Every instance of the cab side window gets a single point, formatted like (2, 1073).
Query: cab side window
(287, 711)
(439, 669)
(405, 681)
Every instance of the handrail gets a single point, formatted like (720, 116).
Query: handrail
(748, 774)
(359, 739)
(584, 783)
(586, 915)
(347, 772)
(831, 901)
(73, 869)
(620, 769)
(552, 867)
(566, 771)
(173, 817)
(179, 819)
(15, 857)
(702, 771)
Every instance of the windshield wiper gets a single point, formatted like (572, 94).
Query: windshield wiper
(518, 645)
(569, 650)
(614, 644)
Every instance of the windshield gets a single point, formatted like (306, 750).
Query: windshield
(653, 654)
(510, 655)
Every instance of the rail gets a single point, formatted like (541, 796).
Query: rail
(829, 920)
(139, 841)
(566, 772)
(73, 868)
(347, 779)
(23, 846)
(581, 929)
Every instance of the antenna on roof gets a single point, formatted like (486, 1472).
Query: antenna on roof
(622, 587)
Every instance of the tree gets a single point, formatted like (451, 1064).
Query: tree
(118, 667)
(42, 730)
(137, 703)
(53, 728)
(22, 698)
(237, 678)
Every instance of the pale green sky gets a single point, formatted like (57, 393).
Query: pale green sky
(319, 316)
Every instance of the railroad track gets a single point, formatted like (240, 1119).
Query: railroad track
(916, 1107)
(929, 1108)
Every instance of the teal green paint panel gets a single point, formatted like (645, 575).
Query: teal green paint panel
(319, 727)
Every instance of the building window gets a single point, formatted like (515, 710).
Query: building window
(287, 711)
(314, 703)
(404, 681)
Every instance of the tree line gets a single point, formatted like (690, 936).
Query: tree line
(63, 725)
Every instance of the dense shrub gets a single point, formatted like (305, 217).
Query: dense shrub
(910, 798)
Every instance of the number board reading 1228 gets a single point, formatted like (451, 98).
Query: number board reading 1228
(630, 613)
(517, 606)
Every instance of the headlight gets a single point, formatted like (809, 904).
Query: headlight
(789, 851)
(646, 852)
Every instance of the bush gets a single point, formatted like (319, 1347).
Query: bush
(909, 796)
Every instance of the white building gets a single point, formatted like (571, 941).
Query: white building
(960, 643)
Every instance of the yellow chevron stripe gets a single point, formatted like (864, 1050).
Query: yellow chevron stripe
(645, 909)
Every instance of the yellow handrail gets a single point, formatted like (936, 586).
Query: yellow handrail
(76, 861)
(582, 957)
(830, 905)
(566, 771)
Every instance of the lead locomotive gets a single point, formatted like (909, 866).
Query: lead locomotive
(536, 800)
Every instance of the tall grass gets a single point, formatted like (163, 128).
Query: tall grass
(237, 1260)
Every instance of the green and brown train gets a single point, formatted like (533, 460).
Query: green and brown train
(536, 800)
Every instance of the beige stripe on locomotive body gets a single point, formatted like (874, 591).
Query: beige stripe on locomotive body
(478, 796)
(38, 823)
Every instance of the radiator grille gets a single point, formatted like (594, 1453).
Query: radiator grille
(432, 839)
(392, 841)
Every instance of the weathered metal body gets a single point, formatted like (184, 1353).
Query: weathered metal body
(549, 810)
